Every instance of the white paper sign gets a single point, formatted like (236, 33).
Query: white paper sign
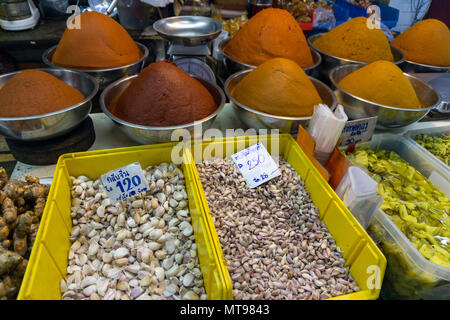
(125, 182)
(256, 165)
(357, 131)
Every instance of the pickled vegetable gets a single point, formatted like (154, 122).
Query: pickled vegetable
(414, 204)
(439, 146)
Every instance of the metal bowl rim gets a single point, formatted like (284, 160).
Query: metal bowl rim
(45, 115)
(313, 51)
(237, 74)
(205, 35)
(336, 69)
(138, 126)
(427, 65)
(315, 36)
(51, 49)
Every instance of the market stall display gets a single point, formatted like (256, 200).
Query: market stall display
(302, 11)
(269, 34)
(357, 107)
(22, 204)
(140, 248)
(278, 87)
(426, 43)
(381, 82)
(40, 93)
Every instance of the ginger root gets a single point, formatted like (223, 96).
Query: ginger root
(4, 230)
(9, 260)
(20, 234)
(9, 212)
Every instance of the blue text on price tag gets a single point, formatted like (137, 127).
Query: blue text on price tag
(256, 165)
(125, 182)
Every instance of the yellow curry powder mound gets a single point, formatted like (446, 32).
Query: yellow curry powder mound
(355, 41)
(271, 33)
(426, 42)
(279, 87)
(384, 83)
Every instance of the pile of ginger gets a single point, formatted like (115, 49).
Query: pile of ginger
(21, 206)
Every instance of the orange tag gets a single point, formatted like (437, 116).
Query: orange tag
(338, 166)
(308, 144)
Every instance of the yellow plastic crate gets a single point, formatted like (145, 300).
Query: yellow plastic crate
(359, 250)
(48, 260)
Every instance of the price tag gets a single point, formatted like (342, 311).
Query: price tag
(357, 131)
(125, 182)
(256, 165)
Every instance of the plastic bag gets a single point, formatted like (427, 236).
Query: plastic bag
(323, 19)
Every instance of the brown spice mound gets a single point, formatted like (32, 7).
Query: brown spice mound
(271, 33)
(164, 95)
(34, 92)
(100, 43)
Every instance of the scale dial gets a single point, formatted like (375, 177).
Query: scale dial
(196, 67)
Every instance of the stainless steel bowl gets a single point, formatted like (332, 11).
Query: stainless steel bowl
(388, 117)
(329, 62)
(50, 125)
(104, 76)
(232, 66)
(149, 134)
(413, 67)
(188, 30)
(260, 120)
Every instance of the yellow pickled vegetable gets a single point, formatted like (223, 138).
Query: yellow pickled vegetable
(439, 146)
(412, 202)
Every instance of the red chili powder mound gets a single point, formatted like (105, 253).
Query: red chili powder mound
(99, 43)
(34, 92)
(164, 95)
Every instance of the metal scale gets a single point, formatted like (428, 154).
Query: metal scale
(189, 38)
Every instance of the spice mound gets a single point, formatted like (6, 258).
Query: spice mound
(22, 205)
(419, 209)
(355, 41)
(269, 34)
(164, 95)
(34, 92)
(272, 239)
(99, 43)
(142, 248)
(426, 42)
(279, 87)
(384, 83)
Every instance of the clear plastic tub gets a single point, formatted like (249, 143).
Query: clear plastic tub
(434, 131)
(409, 274)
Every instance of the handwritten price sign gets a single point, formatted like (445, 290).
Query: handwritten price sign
(256, 165)
(125, 182)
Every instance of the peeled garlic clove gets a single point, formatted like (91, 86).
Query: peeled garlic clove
(190, 295)
(120, 253)
(188, 280)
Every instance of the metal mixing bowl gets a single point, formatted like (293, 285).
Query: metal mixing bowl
(188, 30)
(260, 120)
(413, 67)
(388, 117)
(53, 124)
(149, 134)
(232, 66)
(104, 76)
(329, 62)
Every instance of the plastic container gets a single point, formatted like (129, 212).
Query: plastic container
(359, 193)
(359, 250)
(409, 274)
(434, 131)
(389, 15)
(48, 261)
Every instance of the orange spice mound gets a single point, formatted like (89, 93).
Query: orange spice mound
(100, 43)
(34, 92)
(279, 87)
(271, 33)
(426, 42)
(355, 41)
(164, 95)
(384, 83)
